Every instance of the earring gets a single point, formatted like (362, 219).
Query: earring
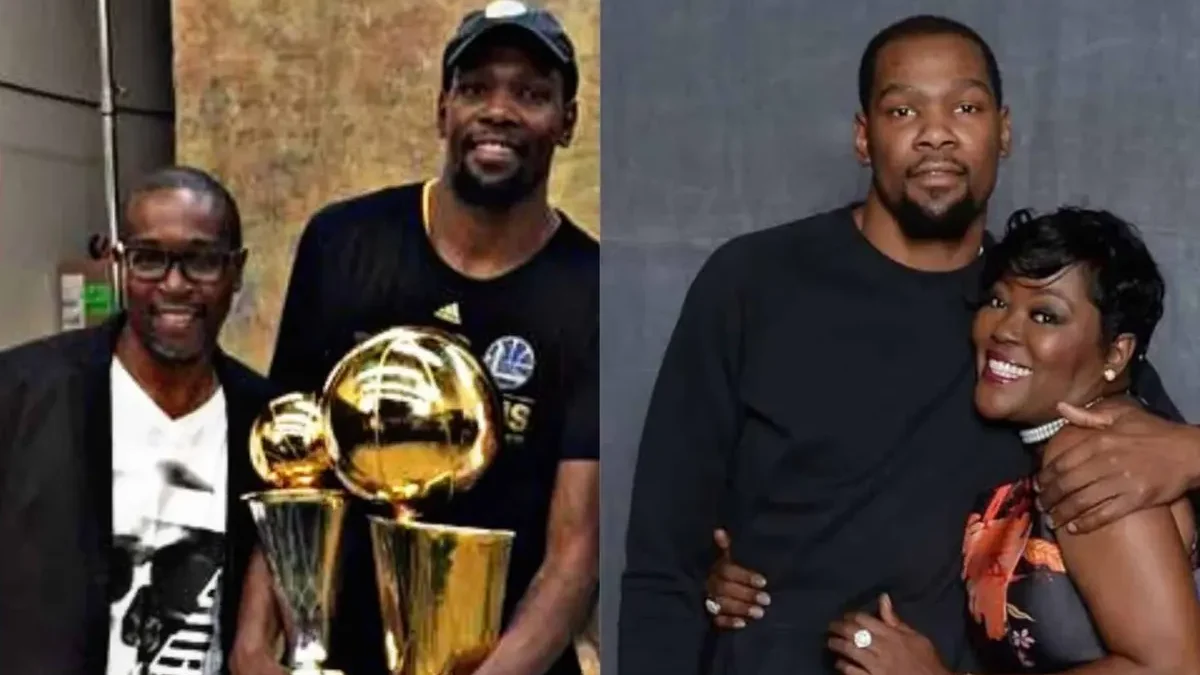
(1110, 374)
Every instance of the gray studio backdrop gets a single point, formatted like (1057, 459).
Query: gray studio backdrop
(725, 116)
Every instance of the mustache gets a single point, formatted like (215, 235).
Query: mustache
(944, 164)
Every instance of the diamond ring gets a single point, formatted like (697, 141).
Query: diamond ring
(862, 638)
(712, 606)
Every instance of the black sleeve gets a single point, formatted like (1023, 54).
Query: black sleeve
(680, 480)
(299, 352)
(1148, 387)
(581, 429)
(10, 389)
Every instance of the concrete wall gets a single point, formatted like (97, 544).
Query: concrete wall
(51, 153)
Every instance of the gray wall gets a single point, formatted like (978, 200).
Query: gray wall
(51, 158)
(725, 116)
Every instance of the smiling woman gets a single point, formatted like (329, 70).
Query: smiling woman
(1072, 299)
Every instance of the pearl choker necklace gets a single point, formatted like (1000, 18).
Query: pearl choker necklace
(1038, 434)
(1043, 432)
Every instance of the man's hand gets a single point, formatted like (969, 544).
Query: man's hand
(1132, 460)
(468, 662)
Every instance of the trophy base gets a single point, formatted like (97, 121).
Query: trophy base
(441, 592)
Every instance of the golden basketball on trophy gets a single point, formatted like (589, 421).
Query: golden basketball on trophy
(408, 414)
(287, 443)
(299, 525)
(411, 412)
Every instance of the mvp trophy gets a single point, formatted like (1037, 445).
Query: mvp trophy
(299, 525)
(410, 413)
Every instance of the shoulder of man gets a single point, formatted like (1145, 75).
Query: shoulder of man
(790, 244)
(367, 206)
(246, 384)
(40, 357)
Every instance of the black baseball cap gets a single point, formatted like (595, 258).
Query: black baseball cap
(535, 21)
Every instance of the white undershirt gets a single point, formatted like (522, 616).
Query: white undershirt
(169, 485)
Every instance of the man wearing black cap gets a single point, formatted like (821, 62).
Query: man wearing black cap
(478, 251)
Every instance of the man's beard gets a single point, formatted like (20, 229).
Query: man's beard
(494, 195)
(918, 224)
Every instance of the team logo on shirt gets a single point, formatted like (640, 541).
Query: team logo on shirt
(449, 314)
(511, 361)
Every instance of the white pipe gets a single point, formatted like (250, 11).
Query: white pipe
(108, 131)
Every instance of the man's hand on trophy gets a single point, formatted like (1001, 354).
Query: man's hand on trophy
(467, 662)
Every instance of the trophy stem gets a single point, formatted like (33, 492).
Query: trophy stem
(300, 531)
(441, 592)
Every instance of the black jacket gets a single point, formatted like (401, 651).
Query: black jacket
(56, 499)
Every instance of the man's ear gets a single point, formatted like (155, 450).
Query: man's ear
(862, 146)
(441, 114)
(1005, 133)
(239, 269)
(570, 119)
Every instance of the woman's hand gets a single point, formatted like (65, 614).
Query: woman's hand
(734, 593)
(866, 645)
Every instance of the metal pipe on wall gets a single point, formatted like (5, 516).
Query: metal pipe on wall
(109, 135)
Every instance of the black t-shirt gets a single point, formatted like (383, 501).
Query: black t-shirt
(816, 398)
(366, 264)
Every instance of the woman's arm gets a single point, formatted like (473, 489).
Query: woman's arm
(1136, 580)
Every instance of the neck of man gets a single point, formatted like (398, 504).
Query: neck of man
(484, 243)
(880, 228)
(178, 389)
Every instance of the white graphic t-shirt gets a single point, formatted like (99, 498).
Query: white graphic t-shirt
(169, 481)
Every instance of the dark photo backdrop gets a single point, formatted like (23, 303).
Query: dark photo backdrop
(725, 116)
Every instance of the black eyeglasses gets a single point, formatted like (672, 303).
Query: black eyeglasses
(150, 263)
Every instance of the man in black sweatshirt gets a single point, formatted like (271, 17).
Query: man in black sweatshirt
(815, 398)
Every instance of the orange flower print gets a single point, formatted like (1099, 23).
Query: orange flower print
(1042, 553)
(992, 548)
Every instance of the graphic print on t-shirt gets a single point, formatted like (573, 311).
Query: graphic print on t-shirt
(166, 580)
(168, 535)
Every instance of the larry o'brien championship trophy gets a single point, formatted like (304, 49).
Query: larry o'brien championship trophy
(299, 524)
(407, 415)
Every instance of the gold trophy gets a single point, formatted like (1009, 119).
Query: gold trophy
(299, 525)
(410, 413)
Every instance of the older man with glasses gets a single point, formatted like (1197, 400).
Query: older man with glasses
(123, 455)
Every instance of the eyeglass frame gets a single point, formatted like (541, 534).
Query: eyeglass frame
(175, 259)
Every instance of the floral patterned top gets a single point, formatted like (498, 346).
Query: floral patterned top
(1027, 614)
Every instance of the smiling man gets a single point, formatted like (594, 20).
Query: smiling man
(123, 455)
(480, 252)
(815, 399)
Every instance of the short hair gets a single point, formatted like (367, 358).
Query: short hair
(179, 177)
(1125, 284)
(922, 25)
